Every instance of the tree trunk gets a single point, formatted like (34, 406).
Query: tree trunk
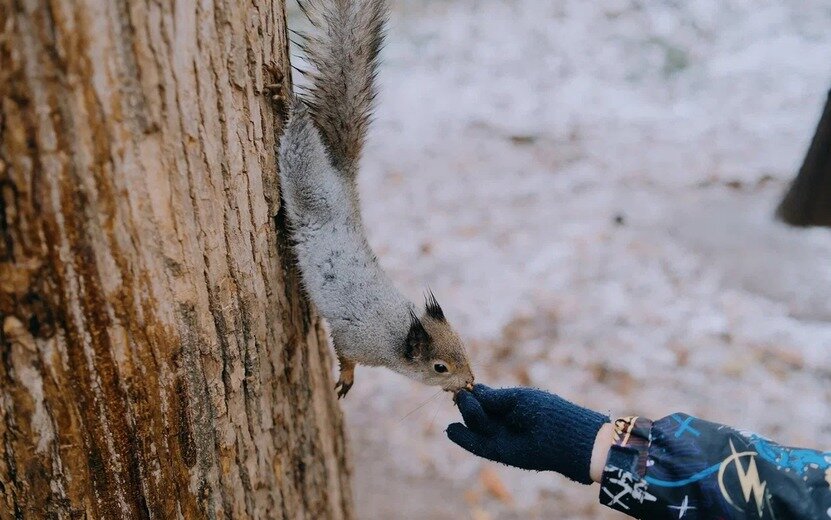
(158, 359)
(808, 200)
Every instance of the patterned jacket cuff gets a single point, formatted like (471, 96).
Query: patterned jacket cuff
(622, 486)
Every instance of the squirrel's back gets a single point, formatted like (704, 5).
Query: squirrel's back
(340, 273)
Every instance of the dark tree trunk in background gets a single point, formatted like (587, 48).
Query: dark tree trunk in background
(808, 201)
(157, 359)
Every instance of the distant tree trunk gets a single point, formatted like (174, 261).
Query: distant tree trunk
(157, 359)
(808, 201)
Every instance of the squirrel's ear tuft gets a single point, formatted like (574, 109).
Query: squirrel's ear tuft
(417, 338)
(433, 308)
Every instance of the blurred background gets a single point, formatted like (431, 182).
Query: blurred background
(589, 188)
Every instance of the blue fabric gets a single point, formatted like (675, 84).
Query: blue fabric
(527, 428)
(685, 467)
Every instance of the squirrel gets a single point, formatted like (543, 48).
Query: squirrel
(371, 322)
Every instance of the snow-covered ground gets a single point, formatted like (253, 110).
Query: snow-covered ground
(588, 188)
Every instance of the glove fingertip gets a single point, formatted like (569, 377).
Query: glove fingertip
(465, 399)
(469, 440)
(495, 400)
(461, 435)
(454, 429)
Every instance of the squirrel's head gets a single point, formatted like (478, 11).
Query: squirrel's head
(435, 353)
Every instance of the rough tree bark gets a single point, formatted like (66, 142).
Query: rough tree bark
(157, 359)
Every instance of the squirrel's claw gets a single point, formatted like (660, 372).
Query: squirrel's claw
(274, 69)
(343, 388)
(347, 376)
(274, 91)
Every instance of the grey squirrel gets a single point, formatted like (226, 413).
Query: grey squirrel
(370, 321)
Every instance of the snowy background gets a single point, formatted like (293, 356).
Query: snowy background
(588, 188)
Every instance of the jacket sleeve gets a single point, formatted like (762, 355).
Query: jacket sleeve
(684, 467)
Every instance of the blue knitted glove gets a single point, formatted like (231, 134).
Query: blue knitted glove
(527, 428)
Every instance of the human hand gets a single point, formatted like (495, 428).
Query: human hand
(527, 428)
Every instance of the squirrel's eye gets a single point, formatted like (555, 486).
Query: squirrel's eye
(441, 369)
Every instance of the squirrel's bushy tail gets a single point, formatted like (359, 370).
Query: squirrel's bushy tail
(343, 53)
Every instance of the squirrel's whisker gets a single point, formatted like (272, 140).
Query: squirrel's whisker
(436, 414)
(419, 407)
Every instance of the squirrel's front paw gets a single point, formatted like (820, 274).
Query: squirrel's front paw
(343, 387)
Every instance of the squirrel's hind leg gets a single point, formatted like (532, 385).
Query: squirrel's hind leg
(347, 376)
